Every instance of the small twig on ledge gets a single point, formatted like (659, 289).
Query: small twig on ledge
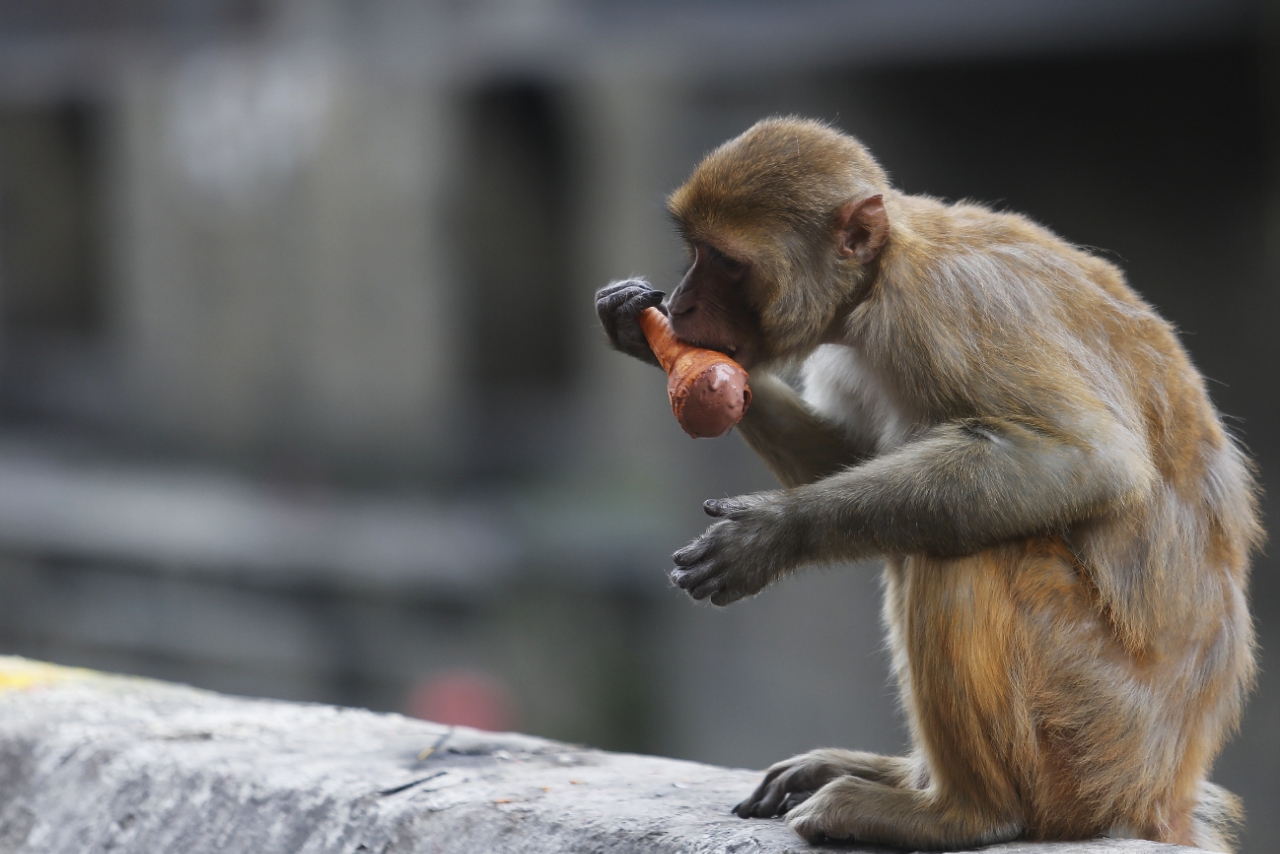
(422, 757)
(411, 784)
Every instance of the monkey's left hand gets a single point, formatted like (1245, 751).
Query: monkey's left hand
(618, 304)
(751, 545)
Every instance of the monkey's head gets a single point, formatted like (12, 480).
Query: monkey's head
(782, 225)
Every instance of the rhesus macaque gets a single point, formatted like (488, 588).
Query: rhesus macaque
(1066, 524)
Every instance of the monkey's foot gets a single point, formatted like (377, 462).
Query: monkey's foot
(851, 808)
(788, 783)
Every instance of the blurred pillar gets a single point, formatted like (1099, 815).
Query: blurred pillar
(626, 126)
(279, 279)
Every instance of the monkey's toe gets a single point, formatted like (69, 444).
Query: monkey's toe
(808, 824)
(751, 808)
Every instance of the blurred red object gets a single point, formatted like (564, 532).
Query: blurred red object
(464, 698)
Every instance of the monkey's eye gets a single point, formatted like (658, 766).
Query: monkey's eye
(725, 262)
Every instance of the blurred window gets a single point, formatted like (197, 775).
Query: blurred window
(513, 239)
(51, 300)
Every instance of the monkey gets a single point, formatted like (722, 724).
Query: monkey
(1065, 522)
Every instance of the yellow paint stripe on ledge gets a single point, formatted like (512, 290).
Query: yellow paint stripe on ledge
(19, 673)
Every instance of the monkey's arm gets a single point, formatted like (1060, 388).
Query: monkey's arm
(959, 488)
(796, 444)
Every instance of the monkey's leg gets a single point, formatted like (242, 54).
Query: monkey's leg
(851, 808)
(788, 783)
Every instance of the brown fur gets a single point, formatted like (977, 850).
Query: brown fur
(1066, 523)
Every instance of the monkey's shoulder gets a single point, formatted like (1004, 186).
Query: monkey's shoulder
(966, 228)
(998, 270)
(940, 220)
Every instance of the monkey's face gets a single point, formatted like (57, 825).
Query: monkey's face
(782, 224)
(712, 306)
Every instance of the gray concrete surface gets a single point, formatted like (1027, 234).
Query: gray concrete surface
(93, 762)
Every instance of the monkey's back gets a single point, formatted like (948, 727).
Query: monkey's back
(1010, 320)
(1128, 629)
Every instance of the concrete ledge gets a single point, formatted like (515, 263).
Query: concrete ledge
(92, 762)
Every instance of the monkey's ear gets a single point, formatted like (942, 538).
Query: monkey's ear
(864, 227)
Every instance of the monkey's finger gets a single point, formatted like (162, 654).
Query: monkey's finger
(607, 311)
(726, 597)
(693, 577)
(794, 799)
(630, 298)
(620, 285)
(707, 589)
(702, 581)
(690, 578)
(728, 508)
(627, 316)
(638, 302)
(713, 587)
(609, 303)
(619, 310)
(693, 553)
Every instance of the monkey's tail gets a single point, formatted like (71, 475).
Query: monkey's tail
(1217, 817)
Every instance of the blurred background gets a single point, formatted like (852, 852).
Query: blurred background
(301, 390)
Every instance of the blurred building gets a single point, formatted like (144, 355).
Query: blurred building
(301, 389)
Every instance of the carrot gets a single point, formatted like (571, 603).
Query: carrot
(708, 390)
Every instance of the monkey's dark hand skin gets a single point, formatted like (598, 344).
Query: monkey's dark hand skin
(753, 543)
(618, 305)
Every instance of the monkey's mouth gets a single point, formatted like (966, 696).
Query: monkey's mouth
(740, 353)
(730, 350)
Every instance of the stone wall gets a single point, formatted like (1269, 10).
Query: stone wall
(92, 762)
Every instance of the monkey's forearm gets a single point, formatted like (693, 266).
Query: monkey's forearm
(960, 488)
(956, 490)
(797, 445)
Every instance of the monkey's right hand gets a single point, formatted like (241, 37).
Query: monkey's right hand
(619, 305)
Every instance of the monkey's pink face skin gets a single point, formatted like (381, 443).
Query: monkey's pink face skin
(712, 328)
(709, 307)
